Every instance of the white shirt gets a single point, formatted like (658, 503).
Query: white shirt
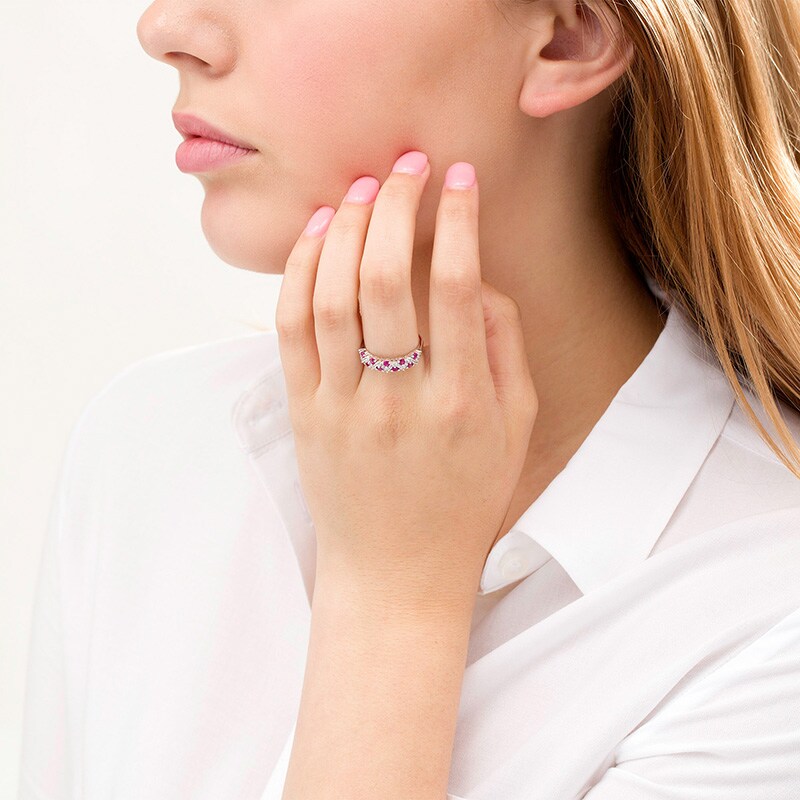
(636, 635)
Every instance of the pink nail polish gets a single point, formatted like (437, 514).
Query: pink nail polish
(413, 163)
(363, 191)
(461, 175)
(319, 222)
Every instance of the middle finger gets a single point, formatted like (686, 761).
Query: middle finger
(388, 314)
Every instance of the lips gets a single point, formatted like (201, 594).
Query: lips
(191, 126)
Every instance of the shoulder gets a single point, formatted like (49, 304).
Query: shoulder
(158, 397)
(742, 485)
(740, 431)
(223, 364)
(219, 368)
(749, 467)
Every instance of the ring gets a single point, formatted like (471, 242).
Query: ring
(383, 364)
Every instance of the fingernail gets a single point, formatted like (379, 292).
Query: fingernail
(461, 175)
(319, 222)
(413, 163)
(364, 190)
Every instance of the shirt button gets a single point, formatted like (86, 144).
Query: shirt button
(513, 564)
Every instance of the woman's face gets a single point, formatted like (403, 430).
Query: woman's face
(330, 90)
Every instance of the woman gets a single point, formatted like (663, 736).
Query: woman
(555, 555)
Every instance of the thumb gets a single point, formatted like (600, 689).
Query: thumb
(505, 346)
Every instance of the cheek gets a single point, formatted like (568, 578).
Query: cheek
(334, 98)
(309, 85)
(324, 80)
(325, 102)
(348, 90)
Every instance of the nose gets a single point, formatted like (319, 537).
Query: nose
(188, 35)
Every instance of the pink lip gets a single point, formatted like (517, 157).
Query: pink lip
(201, 155)
(206, 147)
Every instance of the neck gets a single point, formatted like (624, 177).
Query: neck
(588, 322)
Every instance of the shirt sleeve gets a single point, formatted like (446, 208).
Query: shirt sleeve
(44, 764)
(736, 734)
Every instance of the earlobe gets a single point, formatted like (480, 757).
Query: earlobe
(578, 62)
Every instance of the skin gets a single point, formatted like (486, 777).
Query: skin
(521, 91)
(331, 90)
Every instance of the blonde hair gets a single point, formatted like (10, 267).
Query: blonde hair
(703, 178)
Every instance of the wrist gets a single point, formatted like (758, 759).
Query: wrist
(381, 689)
(393, 599)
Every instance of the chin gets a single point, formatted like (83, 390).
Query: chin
(244, 236)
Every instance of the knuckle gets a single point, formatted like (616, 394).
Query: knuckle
(397, 189)
(330, 313)
(459, 211)
(346, 225)
(459, 412)
(457, 288)
(290, 326)
(511, 309)
(383, 282)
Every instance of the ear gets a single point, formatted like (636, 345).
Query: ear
(572, 54)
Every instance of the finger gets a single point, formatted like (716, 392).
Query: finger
(388, 314)
(294, 319)
(458, 336)
(508, 357)
(337, 320)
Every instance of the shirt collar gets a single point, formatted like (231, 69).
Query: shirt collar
(603, 513)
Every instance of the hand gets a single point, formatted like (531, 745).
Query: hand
(407, 475)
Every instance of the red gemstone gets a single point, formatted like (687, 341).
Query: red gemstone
(402, 361)
(385, 363)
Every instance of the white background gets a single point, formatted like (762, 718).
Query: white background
(103, 262)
